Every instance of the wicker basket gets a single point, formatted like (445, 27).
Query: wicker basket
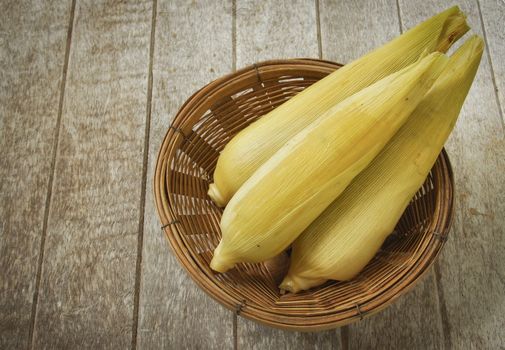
(190, 220)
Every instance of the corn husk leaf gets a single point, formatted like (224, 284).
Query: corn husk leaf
(254, 145)
(294, 186)
(340, 242)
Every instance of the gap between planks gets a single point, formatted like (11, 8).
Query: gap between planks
(234, 68)
(446, 330)
(140, 241)
(398, 12)
(318, 27)
(234, 35)
(31, 333)
(490, 61)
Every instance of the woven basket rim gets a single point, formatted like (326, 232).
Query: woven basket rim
(316, 321)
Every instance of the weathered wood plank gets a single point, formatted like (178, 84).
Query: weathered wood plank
(32, 54)
(88, 277)
(350, 29)
(275, 29)
(411, 322)
(471, 268)
(269, 30)
(348, 32)
(493, 16)
(252, 335)
(193, 45)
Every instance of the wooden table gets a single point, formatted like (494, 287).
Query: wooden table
(87, 91)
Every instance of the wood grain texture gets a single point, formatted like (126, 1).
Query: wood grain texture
(493, 16)
(348, 30)
(269, 30)
(348, 33)
(275, 29)
(472, 264)
(32, 53)
(254, 336)
(174, 312)
(87, 287)
(412, 322)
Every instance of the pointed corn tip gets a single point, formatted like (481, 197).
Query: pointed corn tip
(220, 263)
(216, 195)
(287, 284)
(294, 284)
(477, 43)
(472, 48)
(470, 51)
(454, 28)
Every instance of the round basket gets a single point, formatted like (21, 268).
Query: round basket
(190, 220)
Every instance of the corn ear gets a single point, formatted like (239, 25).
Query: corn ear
(254, 145)
(294, 186)
(340, 242)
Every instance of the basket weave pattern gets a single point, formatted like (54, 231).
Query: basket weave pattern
(186, 162)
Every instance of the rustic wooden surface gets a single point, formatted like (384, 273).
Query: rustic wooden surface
(87, 288)
(32, 56)
(87, 90)
(184, 60)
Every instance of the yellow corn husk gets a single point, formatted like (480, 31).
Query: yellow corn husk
(340, 242)
(254, 145)
(294, 186)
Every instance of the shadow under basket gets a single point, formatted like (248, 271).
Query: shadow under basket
(190, 220)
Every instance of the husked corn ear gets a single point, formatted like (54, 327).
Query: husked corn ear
(254, 145)
(340, 242)
(294, 186)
